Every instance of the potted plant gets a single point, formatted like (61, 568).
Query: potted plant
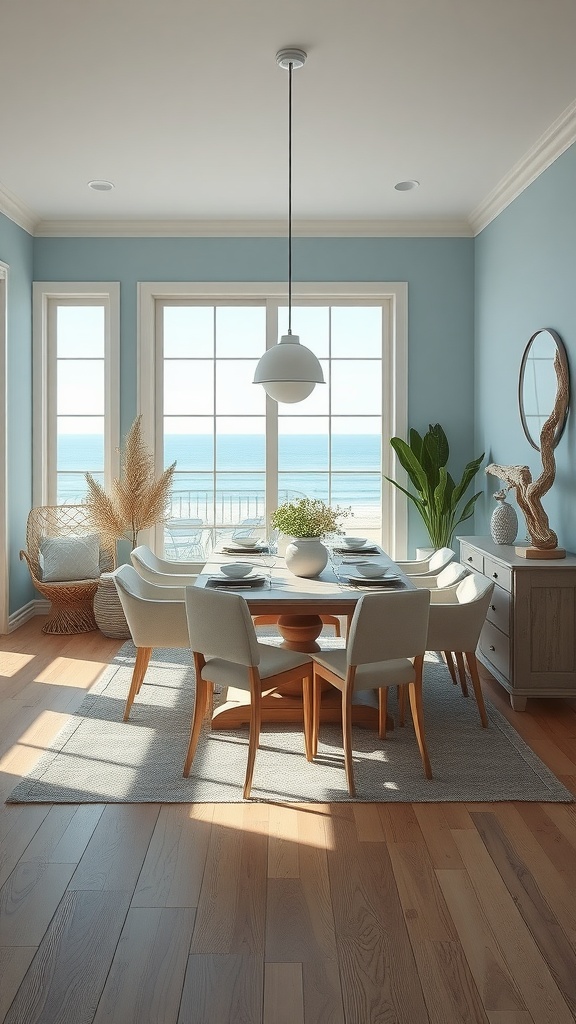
(438, 498)
(306, 521)
(138, 500)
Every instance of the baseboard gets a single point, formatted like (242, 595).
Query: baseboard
(27, 612)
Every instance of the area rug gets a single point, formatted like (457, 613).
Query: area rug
(98, 758)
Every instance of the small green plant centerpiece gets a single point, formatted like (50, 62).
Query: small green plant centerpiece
(437, 496)
(308, 517)
(307, 521)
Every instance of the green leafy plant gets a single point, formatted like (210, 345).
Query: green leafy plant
(438, 498)
(308, 517)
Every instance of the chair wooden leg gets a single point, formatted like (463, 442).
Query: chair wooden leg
(316, 698)
(202, 691)
(254, 736)
(473, 668)
(347, 738)
(308, 714)
(143, 655)
(382, 711)
(415, 692)
(461, 672)
(401, 697)
(332, 620)
(450, 663)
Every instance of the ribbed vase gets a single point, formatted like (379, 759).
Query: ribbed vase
(504, 523)
(306, 556)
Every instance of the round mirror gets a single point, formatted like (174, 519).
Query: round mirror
(541, 381)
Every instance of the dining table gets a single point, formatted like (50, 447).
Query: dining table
(298, 604)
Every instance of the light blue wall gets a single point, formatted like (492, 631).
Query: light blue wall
(525, 279)
(439, 272)
(16, 249)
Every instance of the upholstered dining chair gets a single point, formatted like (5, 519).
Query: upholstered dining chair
(449, 577)
(161, 571)
(427, 566)
(156, 617)
(226, 652)
(385, 647)
(455, 623)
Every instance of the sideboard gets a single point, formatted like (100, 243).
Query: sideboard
(528, 642)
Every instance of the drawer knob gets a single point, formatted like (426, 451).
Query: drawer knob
(493, 607)
(469, 558)
(491, 648)
(495, 575)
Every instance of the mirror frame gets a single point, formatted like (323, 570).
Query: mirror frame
(561, 349)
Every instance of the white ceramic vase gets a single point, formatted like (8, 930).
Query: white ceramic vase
(503, 522)
(306, 556)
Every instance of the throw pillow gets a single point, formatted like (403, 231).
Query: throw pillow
(70, 558)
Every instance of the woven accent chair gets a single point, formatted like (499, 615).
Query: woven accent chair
(72, 600)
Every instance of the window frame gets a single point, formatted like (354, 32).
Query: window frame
(393, 296)
(45, 295)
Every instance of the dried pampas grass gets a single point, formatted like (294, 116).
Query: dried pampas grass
(138, 500)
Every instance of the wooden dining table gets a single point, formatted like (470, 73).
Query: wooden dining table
(298, 604)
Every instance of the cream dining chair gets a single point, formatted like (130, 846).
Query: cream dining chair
(226, 652)
(449, 577)
(385, 647)
(457, 615)
(161, 571)
(427, 566)
(156, 617)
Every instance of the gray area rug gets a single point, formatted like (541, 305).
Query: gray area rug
(98, 758)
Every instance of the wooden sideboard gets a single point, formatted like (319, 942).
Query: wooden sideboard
(528, 642)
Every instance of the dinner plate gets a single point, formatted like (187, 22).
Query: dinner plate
(236, 549)
(376, 581)
(238, 584)
(369, 549)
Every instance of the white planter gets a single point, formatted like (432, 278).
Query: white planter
(306, 556)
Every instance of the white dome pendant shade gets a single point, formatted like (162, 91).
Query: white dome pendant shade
(289, 371)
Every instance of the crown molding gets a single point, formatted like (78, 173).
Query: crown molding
(17, 211)
(556, 140)
(253, 229)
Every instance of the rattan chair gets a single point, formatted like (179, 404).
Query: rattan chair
(72, 600)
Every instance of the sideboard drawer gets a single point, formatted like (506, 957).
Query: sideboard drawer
(499, 609)
(495, 647)
(499, 573)
(469, 556)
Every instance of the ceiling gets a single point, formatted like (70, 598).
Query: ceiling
(181, 105)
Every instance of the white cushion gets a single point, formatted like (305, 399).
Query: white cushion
(70, 558)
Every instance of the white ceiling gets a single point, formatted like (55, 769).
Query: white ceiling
(182, 106)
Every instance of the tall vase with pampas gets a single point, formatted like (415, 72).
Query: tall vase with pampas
(137, 501)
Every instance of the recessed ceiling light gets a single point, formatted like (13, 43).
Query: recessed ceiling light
(406, 186)
(100, 186)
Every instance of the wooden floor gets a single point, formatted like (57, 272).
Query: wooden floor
(282, 914)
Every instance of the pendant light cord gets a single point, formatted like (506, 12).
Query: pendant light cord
(290, 198)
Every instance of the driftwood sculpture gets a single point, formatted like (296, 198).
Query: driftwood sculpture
(528, 492)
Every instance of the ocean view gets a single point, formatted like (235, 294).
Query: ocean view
(303, 461)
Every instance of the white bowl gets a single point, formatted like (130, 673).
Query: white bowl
(371, 570)
(246, 542)
(354, 542)
(236, 569)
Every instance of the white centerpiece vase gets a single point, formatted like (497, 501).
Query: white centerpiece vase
(306, 556)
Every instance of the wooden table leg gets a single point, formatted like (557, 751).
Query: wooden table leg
(300, 632)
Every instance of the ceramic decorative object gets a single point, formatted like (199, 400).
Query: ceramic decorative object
(108, 611)
(306, 556)
(504, 521)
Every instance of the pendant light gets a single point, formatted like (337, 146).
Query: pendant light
(289, 371)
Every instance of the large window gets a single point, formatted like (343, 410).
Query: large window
(76, 390)
(238, 454)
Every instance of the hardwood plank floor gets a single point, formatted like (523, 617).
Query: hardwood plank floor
(265, 913)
